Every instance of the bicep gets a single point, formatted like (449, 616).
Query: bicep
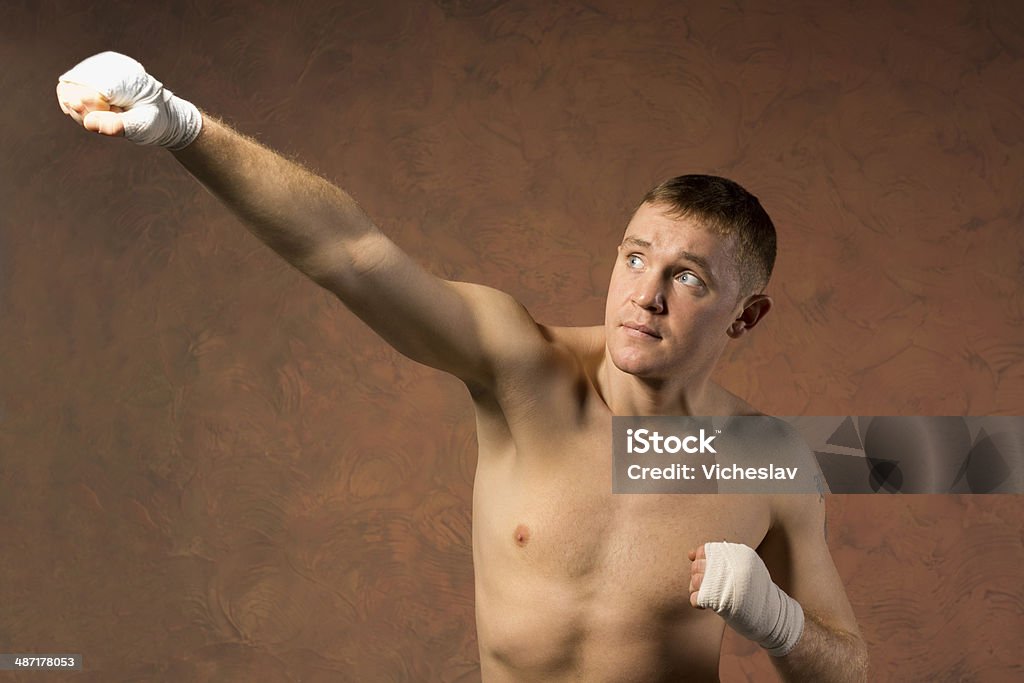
(468, 330)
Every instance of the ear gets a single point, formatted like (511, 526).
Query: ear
(755, 308)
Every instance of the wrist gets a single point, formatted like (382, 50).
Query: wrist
(186, 123)
(788, 628)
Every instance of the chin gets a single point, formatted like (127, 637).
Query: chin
(633, 363)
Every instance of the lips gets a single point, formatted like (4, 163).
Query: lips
(639, 330)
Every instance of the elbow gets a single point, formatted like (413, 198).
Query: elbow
(346, 260)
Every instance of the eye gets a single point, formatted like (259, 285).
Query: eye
(634, 261)
(690, 279)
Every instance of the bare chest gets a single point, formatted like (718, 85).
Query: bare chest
(550, 508)
(568, 572)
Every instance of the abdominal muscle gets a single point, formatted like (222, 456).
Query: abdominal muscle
(573, 583)
(537, 630)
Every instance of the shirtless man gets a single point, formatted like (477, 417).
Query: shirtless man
(572, 583)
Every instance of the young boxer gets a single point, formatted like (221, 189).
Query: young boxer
(572, 583)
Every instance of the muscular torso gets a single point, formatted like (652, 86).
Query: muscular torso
(572, 582)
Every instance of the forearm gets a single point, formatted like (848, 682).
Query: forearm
(295, 212)
(824, 654)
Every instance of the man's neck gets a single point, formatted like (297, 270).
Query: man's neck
(626, 394)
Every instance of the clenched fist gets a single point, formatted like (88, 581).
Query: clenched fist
(111, 94)
(731, 579)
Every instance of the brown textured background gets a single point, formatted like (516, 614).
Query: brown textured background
(210, 471)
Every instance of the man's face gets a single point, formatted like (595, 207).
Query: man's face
(673, 296)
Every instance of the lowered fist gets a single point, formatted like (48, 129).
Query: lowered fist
(731, 579)
(111, 94)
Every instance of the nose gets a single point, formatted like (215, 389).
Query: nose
(649, 294)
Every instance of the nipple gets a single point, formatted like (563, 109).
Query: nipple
(522, 535)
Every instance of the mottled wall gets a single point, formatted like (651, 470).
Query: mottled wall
(210, 471)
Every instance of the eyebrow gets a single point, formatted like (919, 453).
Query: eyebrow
(683, 255)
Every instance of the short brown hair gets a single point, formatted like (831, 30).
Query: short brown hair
(724, 207)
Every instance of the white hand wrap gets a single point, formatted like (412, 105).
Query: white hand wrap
(153, 114)
(737, 586)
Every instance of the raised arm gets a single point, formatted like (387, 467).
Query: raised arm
(468, 330)
(460, 328)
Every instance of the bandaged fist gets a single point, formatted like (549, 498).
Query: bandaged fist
(111, 94)
(731, 579)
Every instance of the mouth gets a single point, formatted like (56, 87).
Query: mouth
(640, 331)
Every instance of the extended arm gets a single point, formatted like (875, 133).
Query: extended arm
(460, 328)
(468, 330)
(293, 211)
